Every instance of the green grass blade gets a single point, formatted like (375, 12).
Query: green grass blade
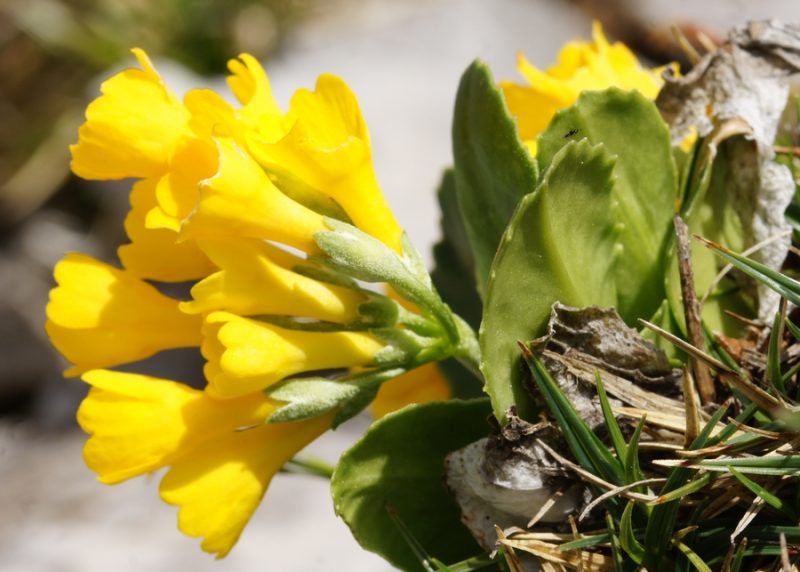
(662, 519)
(585, 542)
(587, 447)
(782, 284)
(616, 547)
(744, 416)
(795, 331)
(633, 471)
(774, 375)
(738, 556)
(769, 498)
(692, 557)
(628, 541)
(687, 489)
(614, 431)
(781, 464)
(414, 544)
(469, 565)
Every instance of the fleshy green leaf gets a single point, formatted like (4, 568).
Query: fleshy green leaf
(400, 462)
(492, 167)
(454, 274)
(630, 127)
(559, 246)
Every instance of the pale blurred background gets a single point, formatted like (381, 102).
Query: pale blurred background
(403, 58)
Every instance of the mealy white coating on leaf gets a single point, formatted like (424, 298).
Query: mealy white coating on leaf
(507, 495)
(746, 78)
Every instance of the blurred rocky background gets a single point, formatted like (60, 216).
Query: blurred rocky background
(402, 58)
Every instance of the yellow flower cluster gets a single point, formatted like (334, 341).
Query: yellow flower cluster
(221, 190)
(582, 66)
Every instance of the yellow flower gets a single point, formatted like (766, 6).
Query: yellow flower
(327, 147)
(419, 385)
(221, 454)
(217, 184)
(100, 316)
(582, 66)
(249, 268)
(246, 355)
(132, 130)
(240, 200)
(154, 253)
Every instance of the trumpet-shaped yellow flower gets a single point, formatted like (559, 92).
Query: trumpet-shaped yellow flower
(250, 84)
(419, 385)
(581, 66)
(217, 183)
(133, 129)
(327, 147)
(249, 268)
(221, 456)
(240, 200)
(154, 253)
(246, 355)
(100, 316)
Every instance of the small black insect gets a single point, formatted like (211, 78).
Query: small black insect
(571, 132)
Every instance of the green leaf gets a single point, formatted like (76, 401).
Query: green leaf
(492, 167)
(454, 273)
(314, 396)
(630, 127)
(559, 246)
(399, 461)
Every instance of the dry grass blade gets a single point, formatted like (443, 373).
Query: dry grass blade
(546, 506)
(552, 553)
(693, 426)
(786, 565)
(514, 565)
(692, 54)
(671, 421)
(691, 312)
(686, 347)
(619, 387)
(617, 491)
(587, 476)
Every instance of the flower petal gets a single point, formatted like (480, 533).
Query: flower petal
(328, 148)
(419, 385)
(132, 129)
(140, 423)
(219, 486)
(100, 316)
(241, 201)
(249, 268)
(246, 355)
(154, 253)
